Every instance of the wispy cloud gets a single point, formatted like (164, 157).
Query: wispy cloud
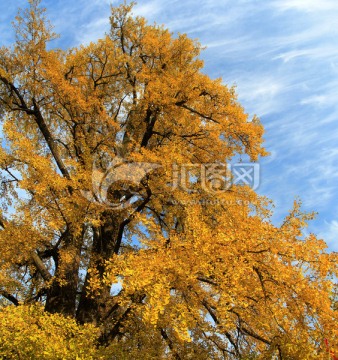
(330, 234)
(306, 5)
(8, 11)
(260, 92)
(94, 30)
(149, 9)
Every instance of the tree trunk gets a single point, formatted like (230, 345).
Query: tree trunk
(61, 296)
(106, 240)
(62, 293)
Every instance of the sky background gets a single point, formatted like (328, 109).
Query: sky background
(282, 55)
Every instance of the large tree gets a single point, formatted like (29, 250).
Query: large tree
(118, 210)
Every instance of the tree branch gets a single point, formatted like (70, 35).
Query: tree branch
(139, 208)
(170, 344)
(9, 297)
(2, 222)
(49, 139)
(150, 121)
(40, 122)
(23, 105)
(214, 317)
(40, 266)
(254, 335)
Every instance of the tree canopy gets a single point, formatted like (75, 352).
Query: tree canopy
(118, 237)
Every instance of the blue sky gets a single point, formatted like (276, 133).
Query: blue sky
(283, 57)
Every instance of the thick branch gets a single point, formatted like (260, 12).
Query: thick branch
(194, 111)
(35, 257)
(106, 339)
(22, 104)
(41, 266)
(2, 222)
(49, 139)
(170, 344)
(214, 317)
(254, 335)
(150, 120)
(9, 297)
(261, 280)
(139, 208)
(208, 281)
(40, 122)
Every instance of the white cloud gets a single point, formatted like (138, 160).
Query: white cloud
(329, 233)
(147, 10)
(306, 5)
(321, 52)
(290, 55)
(93, 31)
(315, 100)
(261, 93)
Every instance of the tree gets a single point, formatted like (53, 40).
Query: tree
(116, 218)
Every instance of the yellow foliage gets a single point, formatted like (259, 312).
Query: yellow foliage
(27, 332)
(110, 216)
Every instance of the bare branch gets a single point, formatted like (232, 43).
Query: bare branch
(41, 266)
(170, 344)
(9, 297)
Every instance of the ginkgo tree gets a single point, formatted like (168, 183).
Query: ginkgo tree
(120, 222)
